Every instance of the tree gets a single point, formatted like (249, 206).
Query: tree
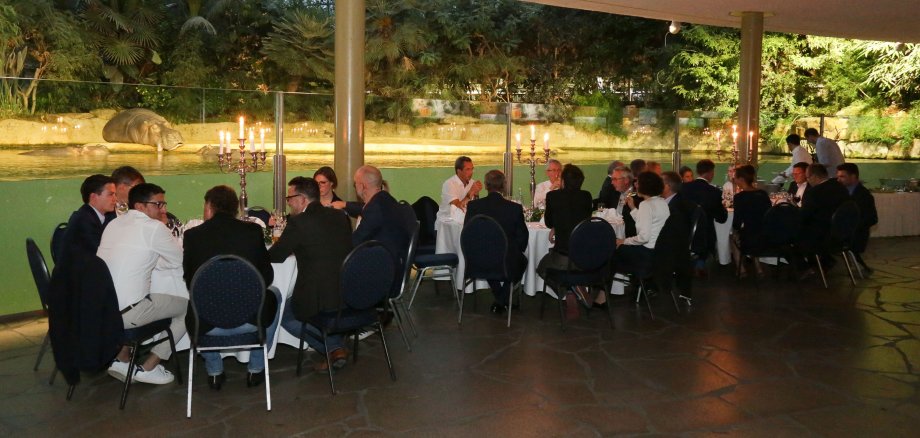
(39, 42)
(127, 36)
(895, 69)
(301, 45)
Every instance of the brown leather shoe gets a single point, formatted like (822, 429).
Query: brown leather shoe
(339, 359)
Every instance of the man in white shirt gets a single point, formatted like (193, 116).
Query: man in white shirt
(554, 181)
(459, 189)
(799, 155)
(132, 246)
(827, 150)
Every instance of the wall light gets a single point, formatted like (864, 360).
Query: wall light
(674, 28)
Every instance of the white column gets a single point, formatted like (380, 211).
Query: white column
(749, 83)
(349, 93)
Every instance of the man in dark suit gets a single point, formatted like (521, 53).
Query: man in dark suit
(823, 199)
(319, 238)
(703, 193)
(799, 185)
(848, 175)
(84, 229)
(510, 216)
(222, 233)
(608, 194)
(682, 210)
(381, 218)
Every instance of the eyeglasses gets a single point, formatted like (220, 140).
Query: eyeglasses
(159, 204)
(292, 196)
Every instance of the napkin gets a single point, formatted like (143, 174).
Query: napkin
(611, 215)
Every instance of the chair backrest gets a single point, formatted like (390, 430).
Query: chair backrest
(484, 246)
(781, 225)
(671, 248)
(261, 213)
(699, 237)
(368, 273)
(844, 222)
(226, 292)
(412, 226)
(591, 244)
(39, 271)
(426, 210)
(57, 241)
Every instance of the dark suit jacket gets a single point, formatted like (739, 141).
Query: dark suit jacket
(673, 246)
(382, 220)
(818, 207)
(510, 216)
(319, 238)
(224, 234)
(629, 224)
(565, 208)
(868, 216)
(85, 324)
(608, 196)
(705, 195)
(83, 234)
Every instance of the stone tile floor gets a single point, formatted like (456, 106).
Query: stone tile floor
(752, 358)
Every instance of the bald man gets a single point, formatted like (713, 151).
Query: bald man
(381, 218)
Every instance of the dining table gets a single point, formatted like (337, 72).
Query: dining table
(538, 245)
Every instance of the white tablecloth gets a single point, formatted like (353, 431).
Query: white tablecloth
(898, 214)
(285, 276)
(723, 231)
(538, 245)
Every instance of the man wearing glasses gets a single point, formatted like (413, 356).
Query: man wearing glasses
(296, 198)
(133, 246)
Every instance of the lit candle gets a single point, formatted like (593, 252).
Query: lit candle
(546, 141)
(221, 142)
(262, 140)
(735, 138)
(252, 141)
(718, 137)
(533, 133)
(518, 137)
(242, 128)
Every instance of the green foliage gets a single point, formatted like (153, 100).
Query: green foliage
(609, 107)
(300, 45)
(705, 72)
(895, 69)
(873, 127)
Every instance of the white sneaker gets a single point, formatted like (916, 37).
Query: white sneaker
(118, 370)
(366, 333)
(157, 376)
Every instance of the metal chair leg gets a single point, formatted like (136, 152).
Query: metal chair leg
(386, 351)
(419, 274)
(303, 332)
(846, 261)
(510, 302)
(132, 365)
(191, 372)
(405, 312)
(329, 360)
(172, 346)
(644, 291)
(857, 264)
(399, 323)
(462, 296)
(268, 385)
(41, 352)
(821, 270)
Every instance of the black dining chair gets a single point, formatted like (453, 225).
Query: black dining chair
(671, 248)
(426, 210)
(844, 223)
(42, 282)
(226, 292)
(57, 241)
(591, 245)
(396, 301)
(368, 273)
(484, 246)
(779, 233)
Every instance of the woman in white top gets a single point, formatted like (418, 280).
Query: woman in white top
(650, 217)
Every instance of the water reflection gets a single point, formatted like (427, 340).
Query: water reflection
(60, 163)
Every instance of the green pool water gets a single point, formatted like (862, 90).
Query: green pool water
(38, 192)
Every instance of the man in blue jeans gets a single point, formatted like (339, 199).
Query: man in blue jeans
(320, 238)
(222, 233)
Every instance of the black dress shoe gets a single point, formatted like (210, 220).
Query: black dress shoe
(255, 379)
(215, 382)
(497, 308)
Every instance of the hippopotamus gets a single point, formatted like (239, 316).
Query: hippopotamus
(142, 126)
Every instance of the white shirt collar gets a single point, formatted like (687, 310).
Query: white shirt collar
(98, 214)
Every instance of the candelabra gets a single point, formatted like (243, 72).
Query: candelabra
(255, 163)
(532, 161)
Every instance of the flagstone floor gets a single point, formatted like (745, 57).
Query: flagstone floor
(751, 358)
